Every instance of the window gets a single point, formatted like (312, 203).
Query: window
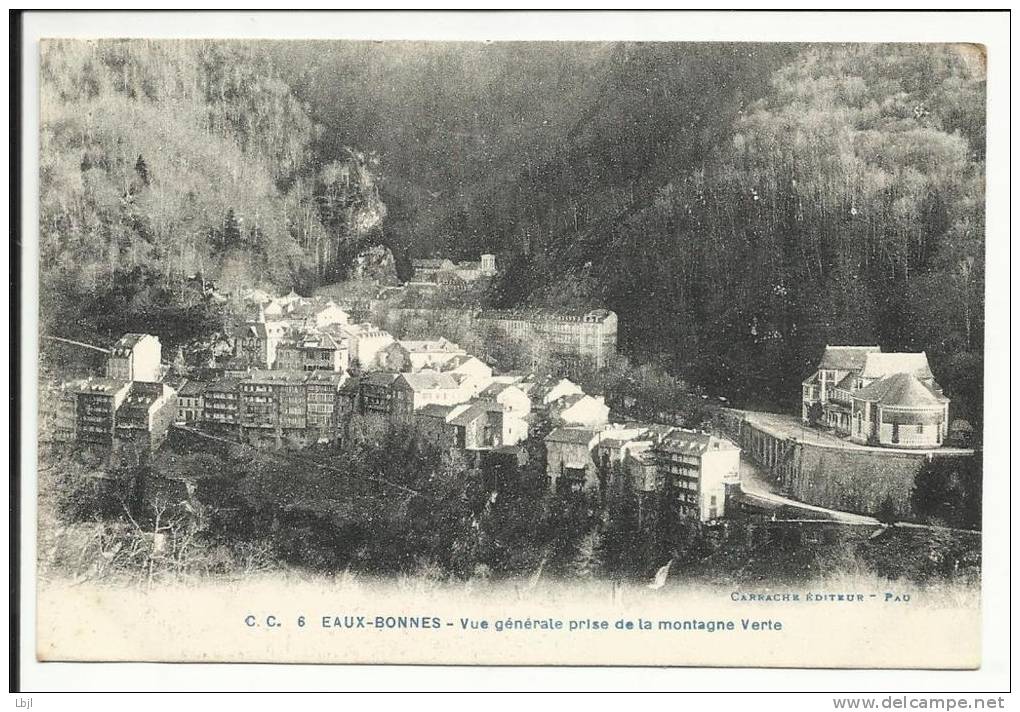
(920, 429)
(896, 432)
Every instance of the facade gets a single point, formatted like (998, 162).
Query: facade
(272, 406)
(514, 407)
(135, 357)
(571, 336)
(413, 356)
(190, 402)
(900, 411)
(312, 351)
(879, 398)
(569, 466)
(254, 345)
(365, 342)
(575, 337)
(221, 403)
(96, 410)
(694, 468)
(321, 390)
(143, 420)
(65, 422)
(433, 426)
(412, 391)
(475, 427)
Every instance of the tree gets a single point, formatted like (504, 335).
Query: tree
(815, 413)
(142, 169)
(948, 490)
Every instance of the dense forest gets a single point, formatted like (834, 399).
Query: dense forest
(739, 206)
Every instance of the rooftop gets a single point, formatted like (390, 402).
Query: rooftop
(429, 380)
(226, 384)
(691, 442)
(845, 358)
(469, 415)
(878, 365)
(278, 377)
(192, 389)
(434, 410)
(902, 390)
(576, 436)
(101, 385)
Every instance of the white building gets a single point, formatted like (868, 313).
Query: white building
(695, 467)
(135, 357)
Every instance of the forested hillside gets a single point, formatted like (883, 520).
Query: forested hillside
(163, 161)
(739, 206)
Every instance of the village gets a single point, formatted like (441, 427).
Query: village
(298, 371)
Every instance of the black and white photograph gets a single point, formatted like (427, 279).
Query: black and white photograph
(529, 352)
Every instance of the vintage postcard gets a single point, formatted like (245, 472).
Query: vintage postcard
(511, 353)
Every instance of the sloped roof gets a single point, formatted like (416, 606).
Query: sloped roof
(435, 410)
(900, 389)
(692, 442)
(224, 385)
(428, 380)
(252, 328)
(193, 388)
(379, 378)
(493, 390)
(846, 358)
(879, 365)
(847, 382)
(469, 414)
(576, 436)
(101, 384)
(129, 341)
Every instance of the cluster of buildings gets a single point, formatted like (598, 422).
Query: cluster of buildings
(128, 411)
(877, 398)
(453, 275)
(301, 372)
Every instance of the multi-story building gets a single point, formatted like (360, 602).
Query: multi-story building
(569, 465)
(190, 402)
(135, 357)
(272, 406)
(96, 411)
(221, 403)
(879, 398)
(256, 341)
(142, 421)
(412, 391)
(514, 407)
(65, 416)
(321, 389)
(413, 356)
(367, 394)
(312, 351)
(476, 426)
(572, 336)
(694, 468)
(364, 343)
